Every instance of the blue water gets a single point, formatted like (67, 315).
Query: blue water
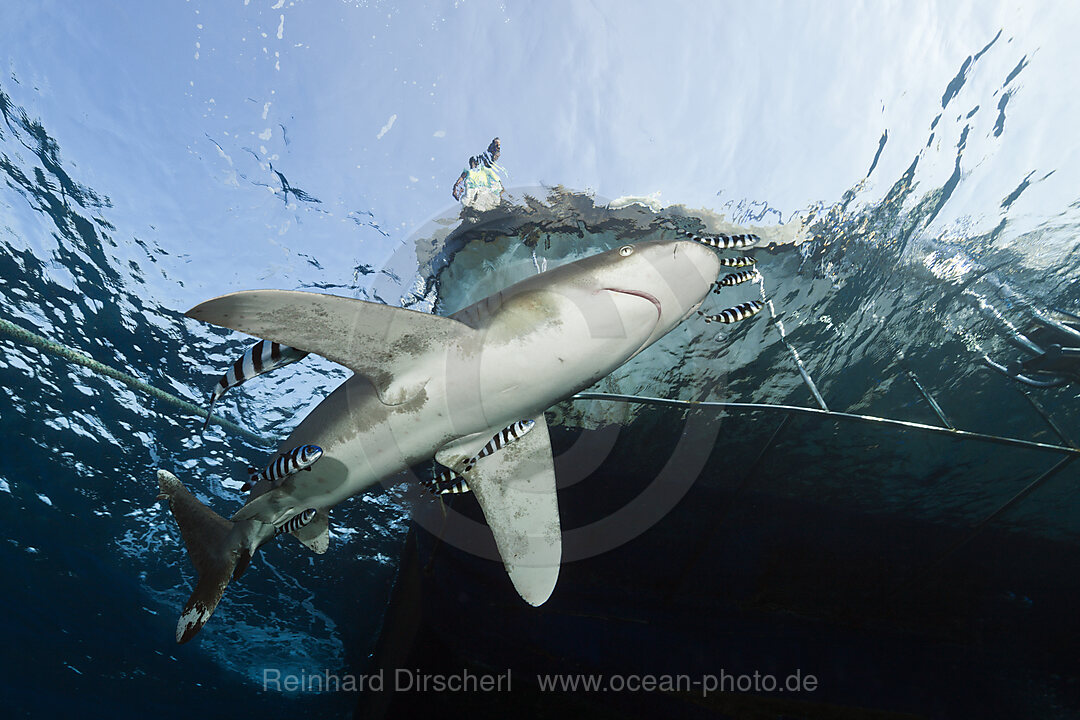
(914, 174)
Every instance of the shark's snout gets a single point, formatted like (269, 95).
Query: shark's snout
(701, 256)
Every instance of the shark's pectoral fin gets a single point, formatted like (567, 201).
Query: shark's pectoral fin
(516, 490)
(316, 534)
(377, 341)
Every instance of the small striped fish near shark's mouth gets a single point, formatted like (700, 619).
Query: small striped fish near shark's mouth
(725, 242)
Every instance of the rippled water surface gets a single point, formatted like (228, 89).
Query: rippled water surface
(913, 171)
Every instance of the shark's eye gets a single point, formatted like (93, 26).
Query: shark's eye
(626, 250)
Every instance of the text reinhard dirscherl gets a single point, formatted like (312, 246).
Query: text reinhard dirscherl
(401, 680)
(409, 680)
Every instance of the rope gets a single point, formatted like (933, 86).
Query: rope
(832, 414)
(791, 348)
(25, 336)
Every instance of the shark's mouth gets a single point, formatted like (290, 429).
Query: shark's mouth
(659, 314)
(641, 294)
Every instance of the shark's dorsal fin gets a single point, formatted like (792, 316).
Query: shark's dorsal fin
(316, 534)
(377, 341)
(516, 490)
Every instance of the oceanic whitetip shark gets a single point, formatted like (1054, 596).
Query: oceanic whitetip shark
(441, 387)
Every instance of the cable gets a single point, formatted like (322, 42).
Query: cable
(903, 424)
(791, 348)
(73, 356)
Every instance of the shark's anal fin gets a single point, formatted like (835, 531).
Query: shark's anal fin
(457, 453)
(242, 563)
(316, 534)
(516, 490)
(377, 341)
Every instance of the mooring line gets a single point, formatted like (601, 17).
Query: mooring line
(903, 424)
(73, 356)
(791, 348)
(930, 400)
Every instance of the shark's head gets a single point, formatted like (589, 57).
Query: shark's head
(674, 276)
(562, 330)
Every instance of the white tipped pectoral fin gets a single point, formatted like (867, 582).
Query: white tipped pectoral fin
(516, 490)
(316, 534)
(371, 339)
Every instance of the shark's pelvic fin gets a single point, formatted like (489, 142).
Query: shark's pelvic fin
(516, 490)
(377, 341)
(457, 453)
(316, 534)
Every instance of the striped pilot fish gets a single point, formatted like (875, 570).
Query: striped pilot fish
(286, 464)
(504, 437)
(448, 481)
(295, 522)
(725, 242)
(738, 278)
(737, 262)
(735, 314)
(261, 357)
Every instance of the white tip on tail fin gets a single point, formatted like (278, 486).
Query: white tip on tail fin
(215, 546)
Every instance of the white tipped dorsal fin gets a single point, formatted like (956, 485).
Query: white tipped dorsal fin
(377, 341)
(516, 490)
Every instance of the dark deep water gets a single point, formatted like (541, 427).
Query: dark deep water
(737, 580)
(879, 560)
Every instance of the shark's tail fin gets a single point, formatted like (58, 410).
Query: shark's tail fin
(217, 550)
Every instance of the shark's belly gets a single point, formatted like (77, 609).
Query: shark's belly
(536, 350)
(544, 347)
(363, 442)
